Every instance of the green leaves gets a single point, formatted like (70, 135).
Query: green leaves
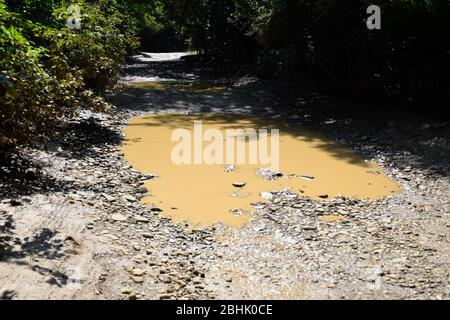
(48, 70)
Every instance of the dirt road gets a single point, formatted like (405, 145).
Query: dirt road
(71, 225)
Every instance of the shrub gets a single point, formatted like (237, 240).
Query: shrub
(47, 70)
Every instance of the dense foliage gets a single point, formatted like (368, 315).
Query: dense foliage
(407, 60)
(47, 70)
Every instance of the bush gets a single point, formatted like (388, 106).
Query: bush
(48, 70)
(407, 60)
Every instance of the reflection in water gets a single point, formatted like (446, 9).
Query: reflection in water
(201, 194)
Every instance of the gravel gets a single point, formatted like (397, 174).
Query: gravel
(78, 186)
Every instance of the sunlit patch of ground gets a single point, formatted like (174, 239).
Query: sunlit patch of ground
(202, 194)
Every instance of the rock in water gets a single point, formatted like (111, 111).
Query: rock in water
(142, 189)
(229, 168)
(239, 184)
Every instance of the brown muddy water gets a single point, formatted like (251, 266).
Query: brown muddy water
(201, 194)
(194, 87)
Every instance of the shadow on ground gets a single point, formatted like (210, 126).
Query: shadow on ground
(22, 174)
(8, 295)
(83, 138)
(27, 251)
(19, 175)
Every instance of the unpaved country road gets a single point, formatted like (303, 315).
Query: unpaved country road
(71, 226)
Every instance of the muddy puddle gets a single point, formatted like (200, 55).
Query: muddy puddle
(212, 167)
(193, 86)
